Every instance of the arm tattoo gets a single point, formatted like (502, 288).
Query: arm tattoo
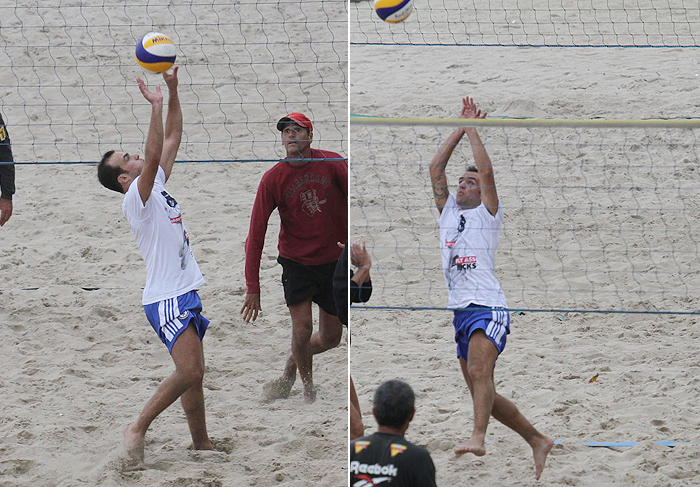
(440, 189)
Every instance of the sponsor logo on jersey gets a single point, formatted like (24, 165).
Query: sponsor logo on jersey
(375, 469)
(177, 219)
(361, 445)
(449, 243)
(169, 199)
(367, 481)
(397, 448)
(466, 262)
(184, 315)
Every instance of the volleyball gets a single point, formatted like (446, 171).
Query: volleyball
(156, 52)
(393, 11)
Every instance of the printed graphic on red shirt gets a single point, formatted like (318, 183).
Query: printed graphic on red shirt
(310, 202)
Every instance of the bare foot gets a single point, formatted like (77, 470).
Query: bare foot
(277, 389)
(134, 443)
(540, 449)
(309, 393)
(205, 445)
(474, 446)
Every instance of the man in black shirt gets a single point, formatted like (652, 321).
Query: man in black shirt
(7, 175)
(386, 457)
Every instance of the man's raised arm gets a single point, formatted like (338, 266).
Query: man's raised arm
(173, 125)
(437, 168)
(154, 141)
(487, 182)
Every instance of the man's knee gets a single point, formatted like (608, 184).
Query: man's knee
(192, 374)
(302, 330)
(482, 357)
(480, 371)
(331, 336)
(330, 329)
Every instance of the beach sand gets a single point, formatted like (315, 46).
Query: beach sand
(80, 360)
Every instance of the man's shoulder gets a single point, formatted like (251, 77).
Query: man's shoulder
(486, 215)
(281, 166)
(449, 210)
(132, 204)
(383, 438)
(276, 171)
(325, 154)
(373, 437)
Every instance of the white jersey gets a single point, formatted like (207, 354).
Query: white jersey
(171, 269)
(468, 242)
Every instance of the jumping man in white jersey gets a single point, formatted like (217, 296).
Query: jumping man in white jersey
(170, 297)
(470, 224)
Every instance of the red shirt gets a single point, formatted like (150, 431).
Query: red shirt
(312, 201)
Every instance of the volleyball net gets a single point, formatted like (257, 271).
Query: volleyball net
(599, 215)
(68, 88)
(588, 23)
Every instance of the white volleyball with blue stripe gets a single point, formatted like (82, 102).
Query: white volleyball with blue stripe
(393, 11)
(156, 52)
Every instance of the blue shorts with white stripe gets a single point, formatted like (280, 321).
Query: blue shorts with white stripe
(494, 321)
(170, 317)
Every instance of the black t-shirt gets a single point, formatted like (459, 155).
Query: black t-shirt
(384, 459)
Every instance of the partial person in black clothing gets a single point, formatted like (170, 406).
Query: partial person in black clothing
(7, 174)
(360, 291)
(386, 457)
(340, 285)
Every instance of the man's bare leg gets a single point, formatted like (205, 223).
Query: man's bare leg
(302, 330)
(298, 357)
(330, 331)
(506, 412)
(478, 371)
(357, 429)
(189, 370)
(192, 401)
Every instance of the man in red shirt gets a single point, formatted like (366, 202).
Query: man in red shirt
(312, 199)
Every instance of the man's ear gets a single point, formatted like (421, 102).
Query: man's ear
(123, 178)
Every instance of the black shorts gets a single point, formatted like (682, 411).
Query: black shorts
(302, 282)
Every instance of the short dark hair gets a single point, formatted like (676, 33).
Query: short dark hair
(394, 402)
(472, 169)
(108, 174)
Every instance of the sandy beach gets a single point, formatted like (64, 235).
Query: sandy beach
(80, 359)
(593, 220)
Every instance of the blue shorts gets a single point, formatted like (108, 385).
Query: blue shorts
(494, 322)
(170, 317)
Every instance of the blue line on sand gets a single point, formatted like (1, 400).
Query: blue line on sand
(623, 444)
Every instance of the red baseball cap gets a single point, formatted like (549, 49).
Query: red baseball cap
(296, 118)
